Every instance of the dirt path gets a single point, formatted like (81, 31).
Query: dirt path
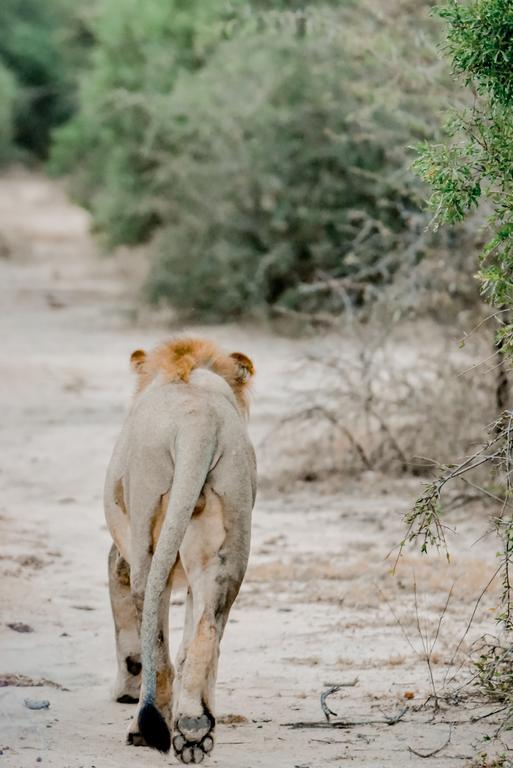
(316, 607)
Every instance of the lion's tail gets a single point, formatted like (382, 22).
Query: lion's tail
(193, 459)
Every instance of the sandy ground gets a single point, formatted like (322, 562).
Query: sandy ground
(319, 605)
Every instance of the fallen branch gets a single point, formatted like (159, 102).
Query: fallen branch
(342, 724)
(434, 751)
(395, 719)
(327, 711)
(349, 684)
(489, 714)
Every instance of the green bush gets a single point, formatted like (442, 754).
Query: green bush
(287, 178)
(140, 49)
(41, 45)
(476, 161)
(7, 93)
(263, 151)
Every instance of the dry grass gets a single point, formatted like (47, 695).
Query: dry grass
(393, 399)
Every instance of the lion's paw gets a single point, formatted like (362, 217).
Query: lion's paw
(194, 738)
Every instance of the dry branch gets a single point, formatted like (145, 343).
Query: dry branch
(342, 724)
(434, 751)
(324, 695)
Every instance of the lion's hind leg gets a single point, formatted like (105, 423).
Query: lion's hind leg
(215, 566)
(126, 624)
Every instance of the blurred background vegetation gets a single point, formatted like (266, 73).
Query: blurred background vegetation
(43, 47)
(261, 149)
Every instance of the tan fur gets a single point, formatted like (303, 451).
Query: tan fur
(158, 519)
(164, 686)
(119, 523)
(120, 496)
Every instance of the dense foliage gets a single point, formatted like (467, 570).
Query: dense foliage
(42, 44)
(288, 174)
(476, 164)
(262, 151)
(477, 161)
(140, 50)
(7, 89)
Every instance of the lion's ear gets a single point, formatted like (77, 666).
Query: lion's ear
(137, 360)
(246, 369)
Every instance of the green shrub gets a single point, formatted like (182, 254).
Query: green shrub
(283, 168)
(264, 151)
(41, 45)
(7, 94)
(140, 49)
(476, 161)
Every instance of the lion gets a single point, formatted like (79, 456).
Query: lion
(179, 495)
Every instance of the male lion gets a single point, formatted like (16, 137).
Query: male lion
(179, 493)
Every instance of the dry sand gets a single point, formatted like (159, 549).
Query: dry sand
(317, 606)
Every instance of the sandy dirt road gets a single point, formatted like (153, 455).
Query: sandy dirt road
(319, 605)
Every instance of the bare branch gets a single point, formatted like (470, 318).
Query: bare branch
(434, 751)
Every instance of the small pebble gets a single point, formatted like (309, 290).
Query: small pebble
(37, 703)
(19, 626)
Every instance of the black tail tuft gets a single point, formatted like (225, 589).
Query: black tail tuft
(153, 728)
